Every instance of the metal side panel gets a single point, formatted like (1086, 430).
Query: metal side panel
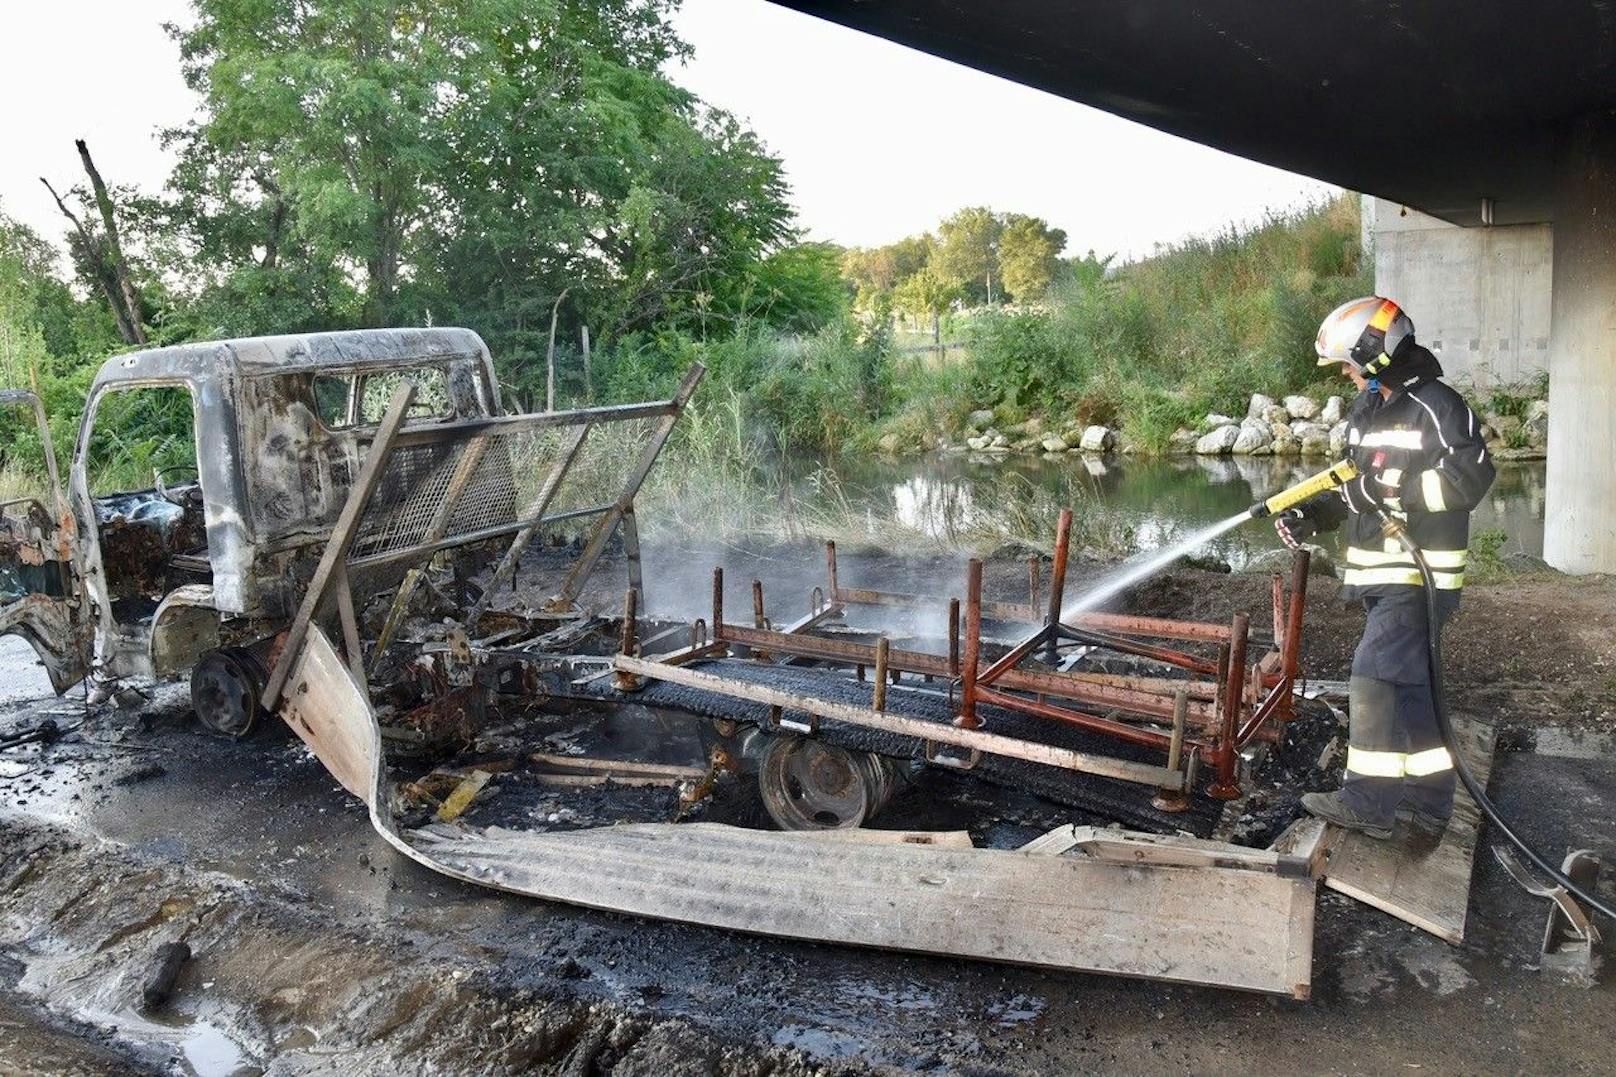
(1235, 926)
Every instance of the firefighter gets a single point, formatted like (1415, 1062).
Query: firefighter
(1420, 456)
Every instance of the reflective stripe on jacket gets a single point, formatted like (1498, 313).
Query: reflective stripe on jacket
(1424, 448)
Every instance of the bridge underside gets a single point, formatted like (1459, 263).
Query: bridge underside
(1489, 113)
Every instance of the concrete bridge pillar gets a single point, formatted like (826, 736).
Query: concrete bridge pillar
(1580, 530)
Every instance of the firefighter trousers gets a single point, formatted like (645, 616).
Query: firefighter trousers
(1395, 755)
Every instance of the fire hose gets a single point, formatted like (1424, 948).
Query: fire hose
(1336, 476)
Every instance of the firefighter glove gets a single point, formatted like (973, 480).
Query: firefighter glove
(1295, 528)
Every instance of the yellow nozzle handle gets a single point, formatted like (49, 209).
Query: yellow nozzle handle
(1330, 478)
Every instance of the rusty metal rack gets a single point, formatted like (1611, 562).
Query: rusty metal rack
(1209, 701)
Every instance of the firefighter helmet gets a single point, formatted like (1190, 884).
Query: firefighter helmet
(1364, 332)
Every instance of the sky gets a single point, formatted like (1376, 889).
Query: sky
(879, 141)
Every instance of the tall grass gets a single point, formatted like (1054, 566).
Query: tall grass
(1198, 327)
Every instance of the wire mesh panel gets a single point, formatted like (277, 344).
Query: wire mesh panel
(465, 482)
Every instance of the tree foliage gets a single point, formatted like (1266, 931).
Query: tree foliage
(1029, 256)
(967, 251)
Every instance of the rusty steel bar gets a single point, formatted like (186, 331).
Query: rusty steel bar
(1175, 800)
(718, 603)
(1156, 627)
(1260, 714)
(1227, 753)
(830, 566)
(1142, 650)
(1109, 726)
(626, 681)
(880, 699)
(953, 637)
(1012, 657)
(1035, 584)
(1057, 581)
(1018, 612)
(1279, 608)
(758, 619)
(1301, 564)
(973, 646)
(1155, 704)
(493, 426)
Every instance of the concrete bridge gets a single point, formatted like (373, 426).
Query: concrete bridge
(1481, 114)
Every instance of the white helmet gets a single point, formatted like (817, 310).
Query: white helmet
(1364, 332)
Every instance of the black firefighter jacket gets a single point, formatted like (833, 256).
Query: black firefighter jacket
(1422, 453)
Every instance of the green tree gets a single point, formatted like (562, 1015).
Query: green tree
(925, 294)
(1029, 256)
(967, 251)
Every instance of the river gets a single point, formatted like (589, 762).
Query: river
(1122, 505)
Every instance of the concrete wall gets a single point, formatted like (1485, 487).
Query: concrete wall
(1479, 297)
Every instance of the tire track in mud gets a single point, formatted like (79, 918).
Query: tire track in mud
(276, 985)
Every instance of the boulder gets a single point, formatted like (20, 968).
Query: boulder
(1254, 435)
(1332, 412)
(1097, 439)
(1504, 425)
(1218, 441)
(1259, 406)
(890, 443)
(1054, 443)
(1338, 439)
(1214, 421)
(1000, 443)
(1536, 424)
(1311, 432)
(980, 419)
(978, 443)
(1275, 414)
(1302, 407)
(1285, 443)
(1182, 442)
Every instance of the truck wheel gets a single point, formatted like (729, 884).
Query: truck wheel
(226, 686)
(808, 784)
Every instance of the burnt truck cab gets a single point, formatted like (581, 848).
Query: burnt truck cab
(212, 560)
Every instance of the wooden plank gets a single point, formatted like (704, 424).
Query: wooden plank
(595, 765)
(341, 540)
(596, 543)
(1429, 889)
(1232, 928)
(886, 721)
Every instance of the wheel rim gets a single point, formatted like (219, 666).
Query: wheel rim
(224, 694)
(810, 785)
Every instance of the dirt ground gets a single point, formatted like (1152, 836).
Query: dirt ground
(319, 950)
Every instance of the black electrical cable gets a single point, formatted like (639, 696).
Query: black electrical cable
(1439, 704)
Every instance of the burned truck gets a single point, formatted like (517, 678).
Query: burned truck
(200, 572)
(345, 553)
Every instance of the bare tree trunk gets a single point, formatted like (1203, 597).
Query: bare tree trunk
(89, 255)
(589, 377)
(549, 359)
(113, 252)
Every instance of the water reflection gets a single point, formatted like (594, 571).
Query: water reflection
(1121, 503)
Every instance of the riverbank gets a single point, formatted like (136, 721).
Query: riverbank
(316, 948)
(1515, 426)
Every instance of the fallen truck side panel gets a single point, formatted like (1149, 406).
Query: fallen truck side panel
(1239, 926)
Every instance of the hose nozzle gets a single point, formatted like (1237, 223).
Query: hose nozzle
(1330, 478)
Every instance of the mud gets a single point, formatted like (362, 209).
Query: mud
(317, 949)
